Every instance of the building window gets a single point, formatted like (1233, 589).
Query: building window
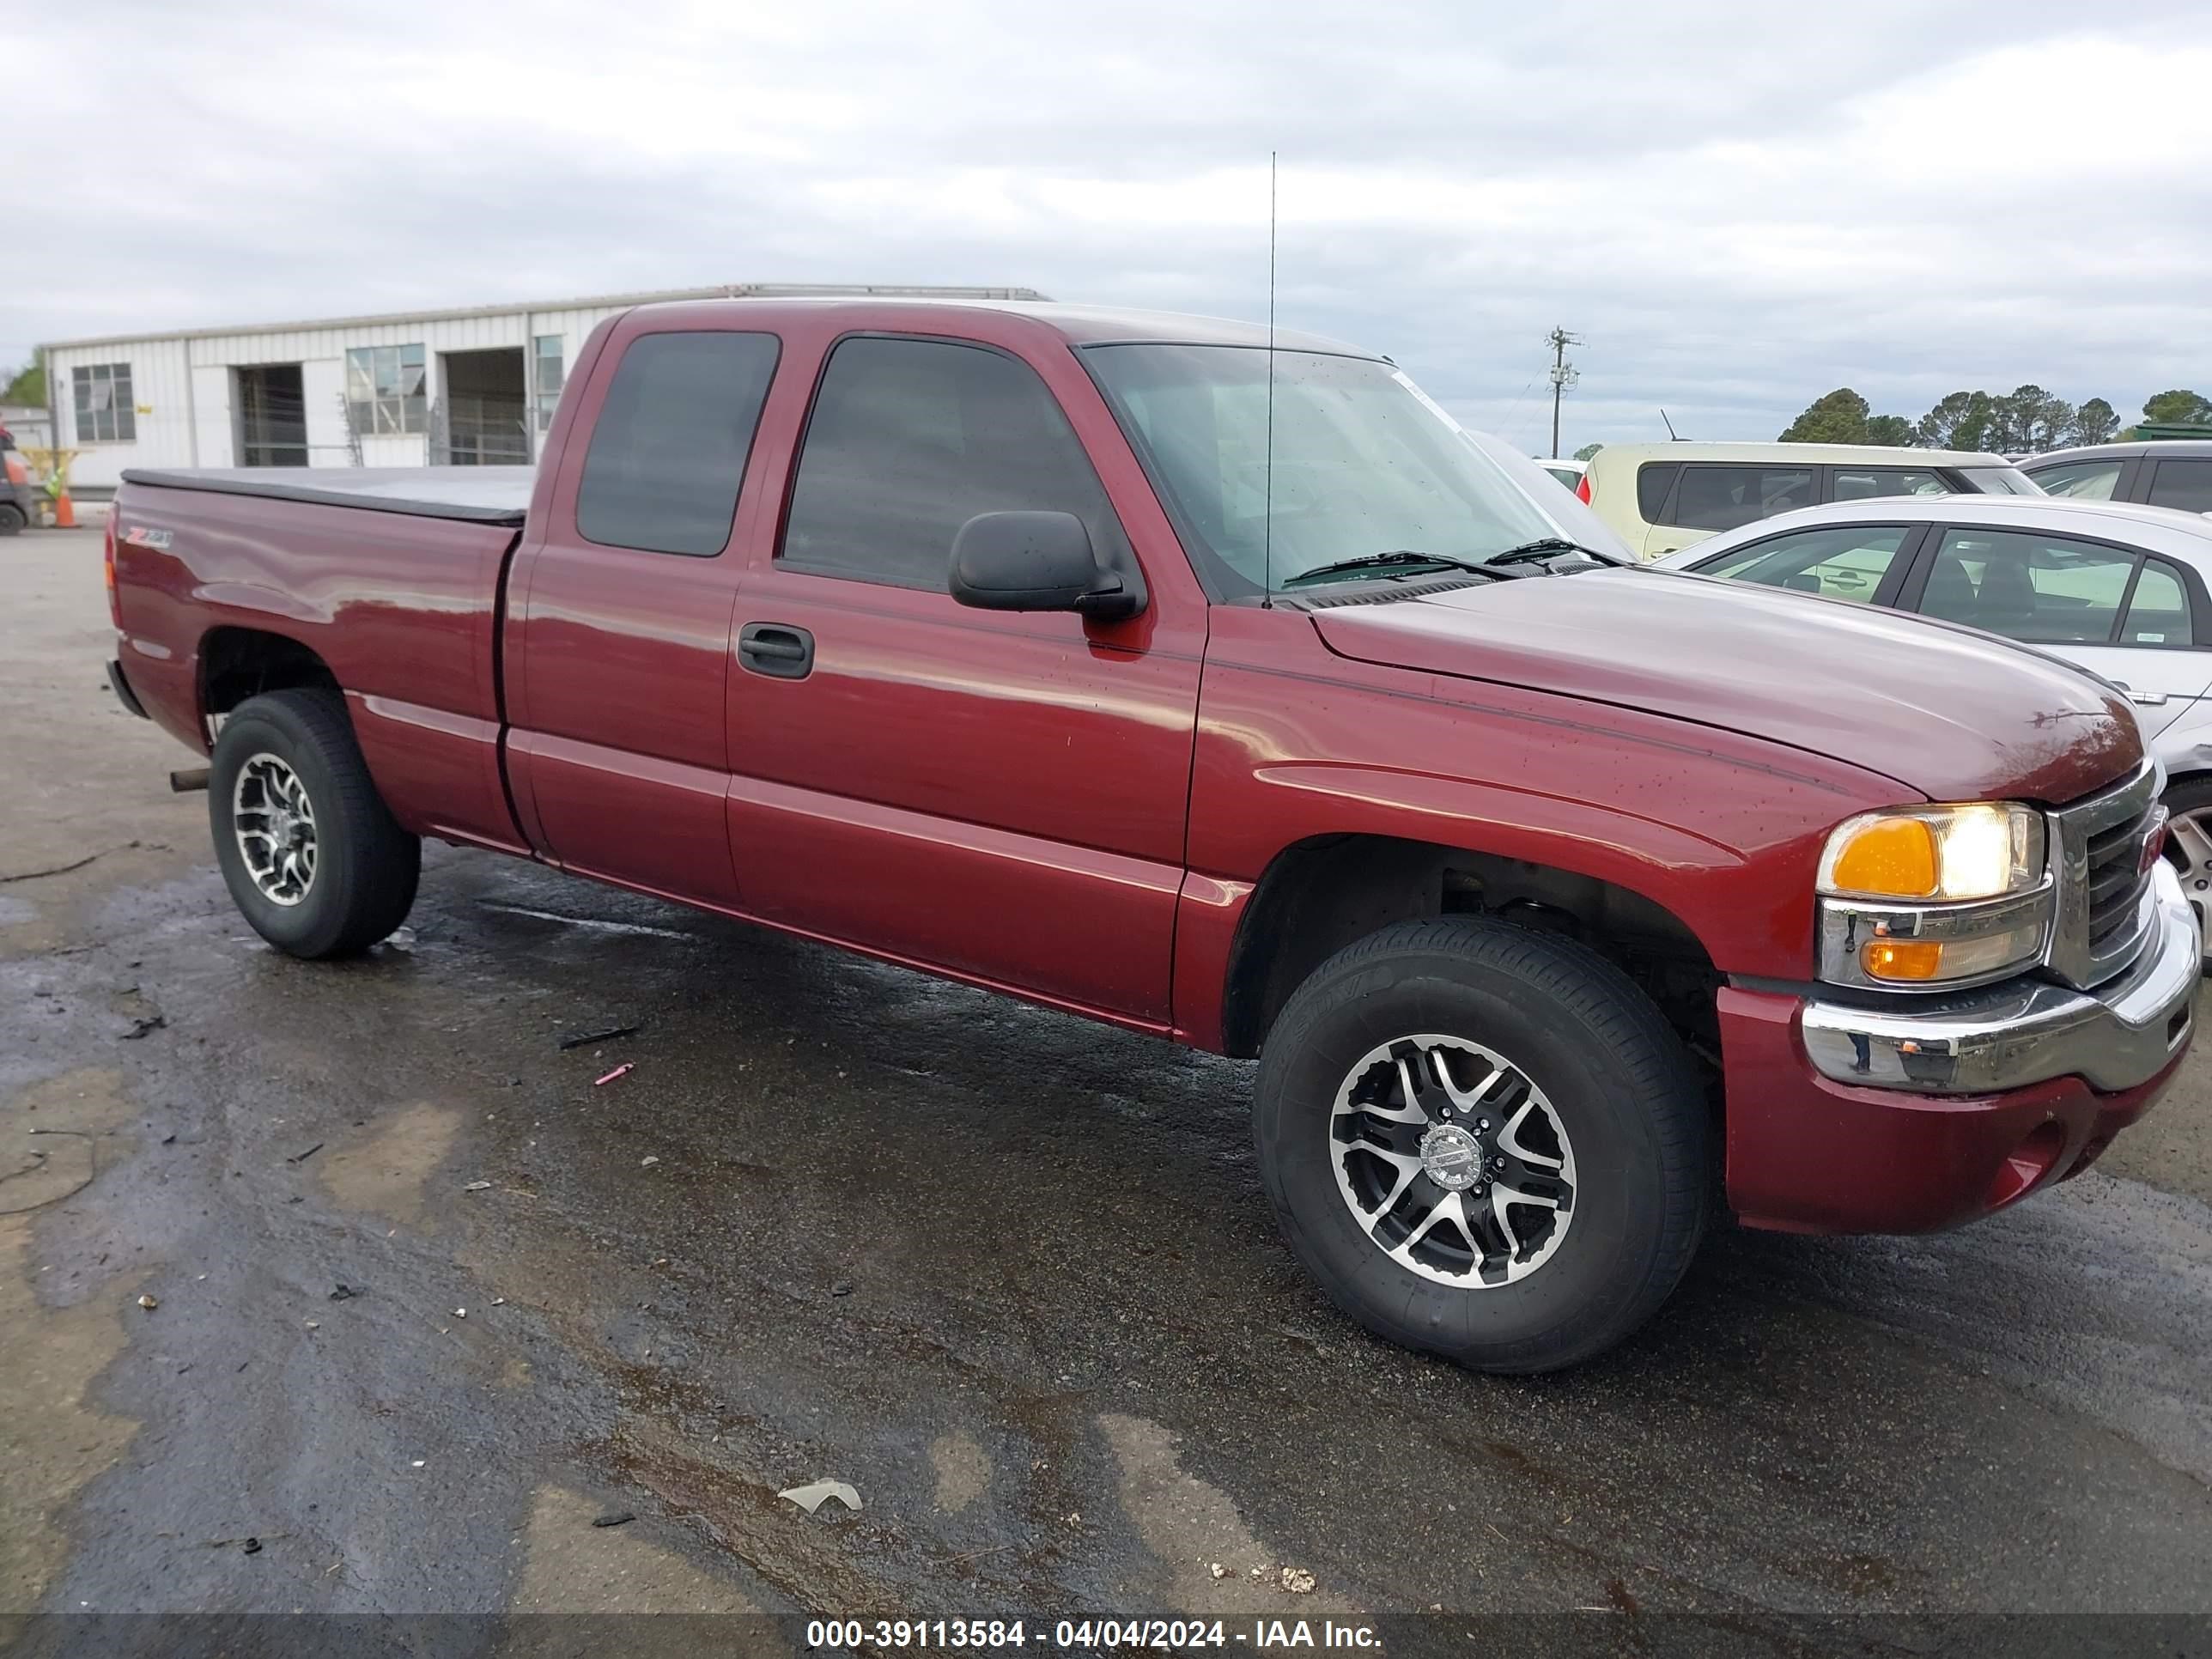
(105, 411)
(545, 358)
(384, 390)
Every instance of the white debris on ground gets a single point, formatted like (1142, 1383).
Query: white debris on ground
(812, 1496)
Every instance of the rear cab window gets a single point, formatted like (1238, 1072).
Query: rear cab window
(668, 451)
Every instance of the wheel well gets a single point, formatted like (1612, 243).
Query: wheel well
(1320, 894)
(238, 663)
(2178, 779)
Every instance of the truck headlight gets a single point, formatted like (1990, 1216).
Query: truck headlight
(1934, 896)
(1980, 850)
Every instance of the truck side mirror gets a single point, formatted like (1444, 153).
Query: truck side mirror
(1035, 562)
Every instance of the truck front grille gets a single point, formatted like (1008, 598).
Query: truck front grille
(2118, 880)
(2106, 909)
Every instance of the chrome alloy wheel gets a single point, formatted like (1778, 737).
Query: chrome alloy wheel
(274, 824)
(2189, 849)
(1452, 1161)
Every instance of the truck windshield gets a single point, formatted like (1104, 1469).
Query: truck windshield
(1363, 463)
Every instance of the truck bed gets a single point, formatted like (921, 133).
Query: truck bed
(475, 494)
(399, 602)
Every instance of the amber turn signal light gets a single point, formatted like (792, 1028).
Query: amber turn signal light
(1895, 856)
(1902, 958)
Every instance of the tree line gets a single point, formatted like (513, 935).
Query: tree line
(27, 385)
(2025, 420)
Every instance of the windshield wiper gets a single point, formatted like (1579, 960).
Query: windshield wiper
(1402, 558)
(1547, 547)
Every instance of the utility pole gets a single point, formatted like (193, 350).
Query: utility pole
(1563, 374)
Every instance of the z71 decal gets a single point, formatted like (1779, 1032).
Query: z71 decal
(140, 535)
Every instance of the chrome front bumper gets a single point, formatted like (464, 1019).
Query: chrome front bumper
(2123, 1033)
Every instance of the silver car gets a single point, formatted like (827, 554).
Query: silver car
(2121, 590)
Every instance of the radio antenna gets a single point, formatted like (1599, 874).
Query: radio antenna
(1671, 438)
(1267, 468)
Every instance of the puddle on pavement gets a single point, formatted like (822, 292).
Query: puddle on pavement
(806, 1557)
(570, 1565)
(963, 1471)
(52, 1441)
(1191, 1526)
(385, 1171)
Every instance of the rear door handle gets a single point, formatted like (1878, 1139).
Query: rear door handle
(777, 650)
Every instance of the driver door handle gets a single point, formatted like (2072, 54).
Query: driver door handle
(776, 650)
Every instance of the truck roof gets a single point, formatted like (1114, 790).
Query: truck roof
(1079, 325)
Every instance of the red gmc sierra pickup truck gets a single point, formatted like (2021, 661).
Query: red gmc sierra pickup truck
(1236, 696)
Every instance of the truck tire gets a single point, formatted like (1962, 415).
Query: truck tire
(313, 857)
(1484, 1142)
(12, 519)
(2189, 849)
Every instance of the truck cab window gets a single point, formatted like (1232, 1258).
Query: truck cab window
(668, 452)
(909, 439)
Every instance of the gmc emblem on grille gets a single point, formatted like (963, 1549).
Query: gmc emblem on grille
(2153, 842)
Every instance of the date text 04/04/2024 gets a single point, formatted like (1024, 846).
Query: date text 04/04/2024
(1085, 1634)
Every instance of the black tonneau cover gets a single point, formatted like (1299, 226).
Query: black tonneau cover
(478, 495)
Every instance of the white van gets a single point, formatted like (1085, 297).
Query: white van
(1662, 497)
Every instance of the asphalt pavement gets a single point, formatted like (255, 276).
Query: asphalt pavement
(429, 1300)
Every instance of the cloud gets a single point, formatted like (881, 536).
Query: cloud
(1739, 206)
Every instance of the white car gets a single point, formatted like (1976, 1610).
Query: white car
(2122, 590)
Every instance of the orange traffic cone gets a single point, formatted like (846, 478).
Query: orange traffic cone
(64, 514)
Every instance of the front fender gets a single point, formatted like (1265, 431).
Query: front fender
(1720, 830)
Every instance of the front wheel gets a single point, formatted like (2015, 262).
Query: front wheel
(12, 519)
(1484, 1142)
(313, 857)
(2189, 849)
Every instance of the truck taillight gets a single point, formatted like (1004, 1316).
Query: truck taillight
(1581, 490)
(107, 561)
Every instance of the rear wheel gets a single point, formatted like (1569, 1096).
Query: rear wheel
(11, 518)
(1485, 1142)
(313, 857)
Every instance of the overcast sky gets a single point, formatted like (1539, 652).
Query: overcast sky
(1738, 206)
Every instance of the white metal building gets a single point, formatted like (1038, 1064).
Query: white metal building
(433, 387)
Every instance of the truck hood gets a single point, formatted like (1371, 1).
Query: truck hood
(1952, 713)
